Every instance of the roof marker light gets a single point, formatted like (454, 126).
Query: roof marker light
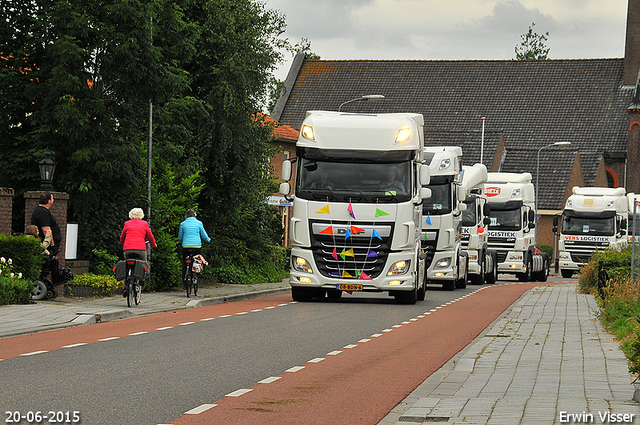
(307, 132)
(403, 135)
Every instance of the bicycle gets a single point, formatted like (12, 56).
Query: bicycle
(134, 291)
(195, 263)
(132, 271)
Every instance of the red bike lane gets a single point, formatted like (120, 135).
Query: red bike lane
(361, 383)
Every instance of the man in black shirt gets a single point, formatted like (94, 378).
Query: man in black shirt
(47, 223)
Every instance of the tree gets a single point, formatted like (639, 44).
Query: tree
(77, 77)
(533, 46)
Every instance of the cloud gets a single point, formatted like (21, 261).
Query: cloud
(454, 29)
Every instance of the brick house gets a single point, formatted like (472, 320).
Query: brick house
(526, 106)
(284, 141)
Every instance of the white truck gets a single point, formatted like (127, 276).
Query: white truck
(594, 218)
(357, 206)
(512, 228)
(483, 265)
(446, 261)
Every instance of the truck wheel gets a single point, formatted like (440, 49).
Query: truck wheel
(407, 297)
(478, 279)
(422, 291)
(462, 282)
(566, 273)
(491, 278)
(301, 294)
(526, 277)
(544, 273)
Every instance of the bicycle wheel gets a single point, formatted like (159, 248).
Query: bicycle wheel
(189, 280)
(129, 285)
(137, 289)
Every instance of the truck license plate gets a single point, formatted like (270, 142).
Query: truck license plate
(349, 287)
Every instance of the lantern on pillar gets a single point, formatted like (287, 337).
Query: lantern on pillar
(47, 169)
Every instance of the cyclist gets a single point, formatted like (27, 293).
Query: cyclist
(134, 235)
(190, 236)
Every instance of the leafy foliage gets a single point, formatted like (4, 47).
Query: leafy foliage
(101, 284)
(25, 255)
(82, 78)
(14, 290)
(533, 46)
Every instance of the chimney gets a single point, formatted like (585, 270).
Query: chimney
(632, 44)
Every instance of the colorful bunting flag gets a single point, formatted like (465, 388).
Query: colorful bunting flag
(375, 234)
(350, 209)
(380, 213)
(372, 254)
(334, 274)
(356, 230)
(347, 252)
(345, 274)
(347, 235)
(324, 210)
(335, 254)
(364, 276)
(429, 219)
(328, 231)
(426, 236)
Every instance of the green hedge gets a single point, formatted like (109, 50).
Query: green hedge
(102, 285)
(14, 290)
(25, 253)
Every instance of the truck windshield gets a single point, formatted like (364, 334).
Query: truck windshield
(469, 217)
(440, 201)
(354, 182)
(588, 226)
(505, 219)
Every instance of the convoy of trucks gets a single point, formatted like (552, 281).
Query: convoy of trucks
(483, 265)
(446, 261)
(594, 218)
(375, 210)
(359, 189)
(512, 228)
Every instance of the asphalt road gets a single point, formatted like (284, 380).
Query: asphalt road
(153, 369)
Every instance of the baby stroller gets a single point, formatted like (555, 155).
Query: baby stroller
(44, 288)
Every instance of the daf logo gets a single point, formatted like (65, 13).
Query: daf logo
(492, 191)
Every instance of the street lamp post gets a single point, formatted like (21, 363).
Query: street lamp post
(47, 169)
(538, 169)
(362, 99)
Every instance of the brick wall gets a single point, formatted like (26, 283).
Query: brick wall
(6, 209)
(59, 210)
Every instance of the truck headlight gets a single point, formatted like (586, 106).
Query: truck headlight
(443, 263)
(301, 265)
(399, 267)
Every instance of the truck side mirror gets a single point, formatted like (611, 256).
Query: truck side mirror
(532, 216)
(425, 176)
(285, 188)
(425, 193)
(286, 172)
(462, 206)
(487, 210)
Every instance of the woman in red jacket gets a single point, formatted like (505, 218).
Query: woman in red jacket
(135, 234)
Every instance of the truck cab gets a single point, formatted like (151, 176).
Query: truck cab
(446, 261)
(593, 219)
(483, 267)
(512, 228)
(357, 206)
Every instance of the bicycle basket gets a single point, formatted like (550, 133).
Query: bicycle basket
(199, 263)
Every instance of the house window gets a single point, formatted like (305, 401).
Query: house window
(612, 178)
(287, 155)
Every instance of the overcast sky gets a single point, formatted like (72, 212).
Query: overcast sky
(452, 29)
